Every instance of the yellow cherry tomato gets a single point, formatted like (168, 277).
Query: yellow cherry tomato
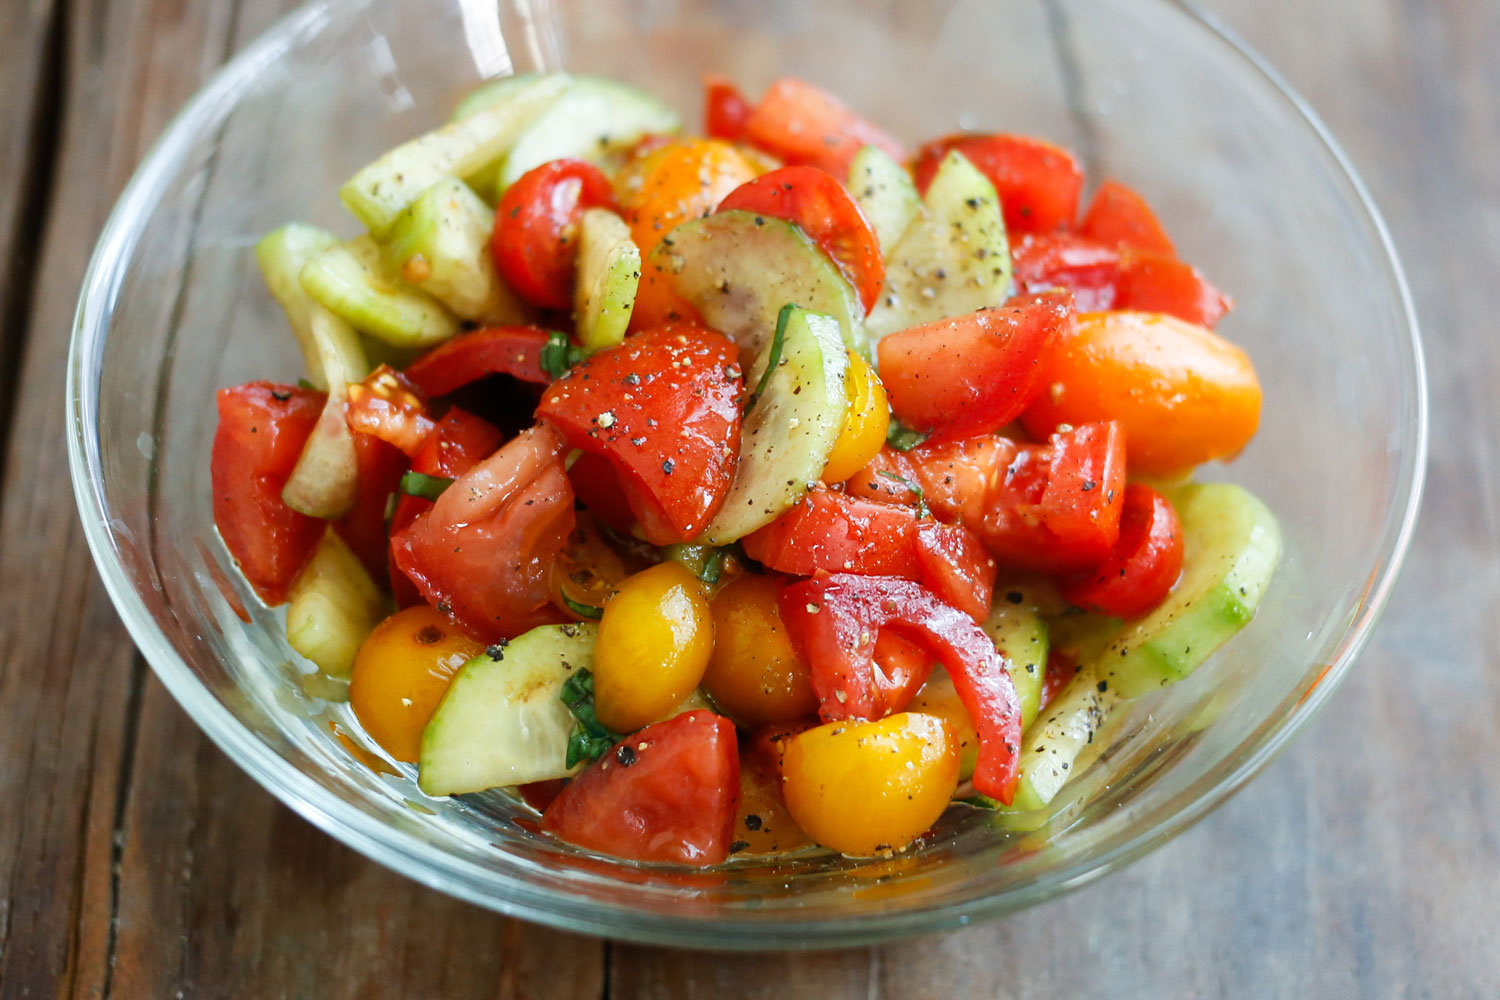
(754, 673)
(865, 423)
(654, 643)
(940, 698)
(401, 672)
(864, 788)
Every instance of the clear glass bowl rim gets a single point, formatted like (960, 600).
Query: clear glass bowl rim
(457, 877)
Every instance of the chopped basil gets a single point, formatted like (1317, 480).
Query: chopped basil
(559, 354)
(901, 437)
(590, 738)
(417, 484)
(774, 358)
(922, 510)
(589, 611)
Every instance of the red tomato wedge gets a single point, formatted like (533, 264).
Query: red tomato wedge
(768, 743)
(262, 427)
(725, 109)
(598, 488)
(536, 224)
(1088, 269)
(664, 408)
(973, 374)
(486, 549)
(955, 476)
(801, 124)
(363, 527)
(1143, 566)
(835, 621)
(831, 532)
(385, 405)
(1061, 668)
(1152, 283)
(822, 209)
(503, 350)
(1118, 217)
(670, 792)
(1038, 183)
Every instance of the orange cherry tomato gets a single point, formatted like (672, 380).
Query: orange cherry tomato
(763, 825)
(1183, 394)
(402, 671)
(754, 673)
(863, 788)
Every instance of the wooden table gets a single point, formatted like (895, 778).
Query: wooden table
(136, 861)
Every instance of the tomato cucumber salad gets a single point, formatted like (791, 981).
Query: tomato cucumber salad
(771, 489)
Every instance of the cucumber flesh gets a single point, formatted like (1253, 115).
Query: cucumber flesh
(1231, 543)
(502, 721)
(282, 255)
(885, 194)
(609, 273)
(325, 481)
(953, 259)
(1021, 634)
(490, 93)
(785, 439)
(594, 119)
(441, 244)
(739, 268)
(1051, 746)
(379, 192)
(351, 281)
(332, 606)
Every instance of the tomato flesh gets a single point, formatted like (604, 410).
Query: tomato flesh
(973, 374)
(1038, 183)
(1144, 564)
(504, 350)
(801, 124)
(485, 550)
(1153, 283)
(262, 428)
(1119, 217)
(664, 408)
(670, 792)
(387, 406)
(725, 109)
(1088, 269)
(381, 466)
(822, 209)
(536, 226)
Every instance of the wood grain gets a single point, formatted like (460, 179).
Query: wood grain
(136, 861)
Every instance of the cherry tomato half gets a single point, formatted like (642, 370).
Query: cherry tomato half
(536, 226)
(1143, 565)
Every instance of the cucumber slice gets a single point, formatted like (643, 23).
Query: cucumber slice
(609, 272)
(282, 255)
(502, 721)
(1231, 543)
(379, 192)
(885, 194)
(739, 268)
(785, 439)
(1021, 634)
(953, 259)
(350, 280)
(332, 606)
(325, 481)
(441, 244)
(490, 93)
(1052, 745)
(593, 120)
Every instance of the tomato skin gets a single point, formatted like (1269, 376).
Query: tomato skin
(503, 350)
(598, 488)
(1153, 283)
(1088, 269)
(763, 823)
(832, 532)
(1119, 217)
(955, 476)
(486, 548)
(536, 223)
(668, 793)
(1038, 183)
(866, 422)
(834, 621)
(381, 466)
(973, 374)
(1143, 566)
(768, 743)
(1183, 394)
(754, 673)
(725, 109)
(664, 408)
(401, 672)
(953, 564)
(262, 428)
(863, 788)
(801, 124)
(387, 406)
(1061, 668)
(818, 204)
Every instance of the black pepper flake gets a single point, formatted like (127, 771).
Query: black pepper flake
(1103, 686)
(752, 822)
(496, 650)
(1015, 597)
(667, 466)
(625, 754)
(1089, 484)
(280, 396)
(444, 608)
(738, 846)
(631, 379)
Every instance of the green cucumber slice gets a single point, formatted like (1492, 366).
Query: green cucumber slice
(282, 255)
(953, 259)
(785, 439)
(462, 148)
(885, 194)
(441, 244)
(1051, 746)
(609, 273)
(325, 481)
(739, 268)
(351, 281)
(502, 721)
(490, 93)
(1019, 632)
(332, 606)
(1231, 544)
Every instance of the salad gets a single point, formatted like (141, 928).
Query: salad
(736, 493)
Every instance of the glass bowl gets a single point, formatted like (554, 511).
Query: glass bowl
(1247, 180)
